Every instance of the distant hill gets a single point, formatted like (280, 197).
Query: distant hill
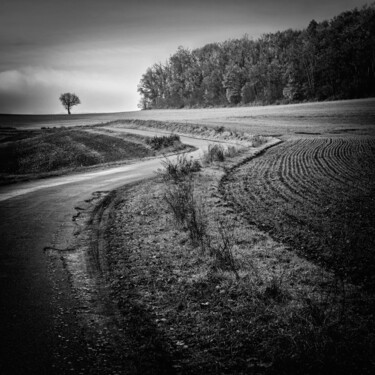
(328, 60)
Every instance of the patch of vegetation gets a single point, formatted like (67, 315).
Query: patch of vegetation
(12, 135)
(187, 210)
(215, 152)
(198, 130)
(189, 213)
(59, 150)
(219, 153)
(258, 140)
(179, 169)
(53, 150)
(158, 142)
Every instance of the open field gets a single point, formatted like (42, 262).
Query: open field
(322, 117)
(318, 195)
(34, 153)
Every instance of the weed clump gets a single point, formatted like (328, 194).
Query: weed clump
(258, 140)
(181, 200)
(214, 153)
(187, 210)
(190, 215)
(222, 250)
(218, 153)
(232, 151)
(158, 143)
(179, 169)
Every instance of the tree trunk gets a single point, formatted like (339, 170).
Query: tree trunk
(68, 111)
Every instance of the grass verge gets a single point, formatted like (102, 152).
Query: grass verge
(277, 314)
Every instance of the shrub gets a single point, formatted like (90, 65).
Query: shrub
(214, 153)
(158, 143)
(219, 153)
(258, 140)
(179, 197)
(222, 250)
(180, 168)
(187, 210)
(189, 213)
(196, 224)
(232, 151)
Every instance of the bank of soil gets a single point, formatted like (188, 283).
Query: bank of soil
(215, 134)
(54, 151)
(281, 315)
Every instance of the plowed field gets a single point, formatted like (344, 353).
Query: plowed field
(318, 195)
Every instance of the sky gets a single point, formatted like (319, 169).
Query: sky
(99, 49)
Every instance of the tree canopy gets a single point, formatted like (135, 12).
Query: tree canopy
(69, 100)
(328, 60)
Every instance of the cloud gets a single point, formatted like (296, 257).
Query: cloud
(36, 90)
(100, 49)
(34, 76)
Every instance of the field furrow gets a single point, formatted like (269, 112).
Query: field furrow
(317, 194)
(294, 175)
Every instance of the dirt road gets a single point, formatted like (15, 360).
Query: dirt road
(41, 310)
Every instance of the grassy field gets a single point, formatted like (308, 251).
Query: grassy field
(37, 153)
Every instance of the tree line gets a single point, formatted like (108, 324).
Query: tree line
(328, 60)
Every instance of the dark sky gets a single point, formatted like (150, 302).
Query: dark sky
(99, 49)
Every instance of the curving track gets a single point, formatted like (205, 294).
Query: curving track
(53, 318)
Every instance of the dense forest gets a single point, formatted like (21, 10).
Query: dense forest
(328, 60)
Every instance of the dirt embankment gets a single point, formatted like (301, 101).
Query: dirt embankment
(26, 155)
(218, 133)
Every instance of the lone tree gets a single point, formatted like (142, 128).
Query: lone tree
(68, 100)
